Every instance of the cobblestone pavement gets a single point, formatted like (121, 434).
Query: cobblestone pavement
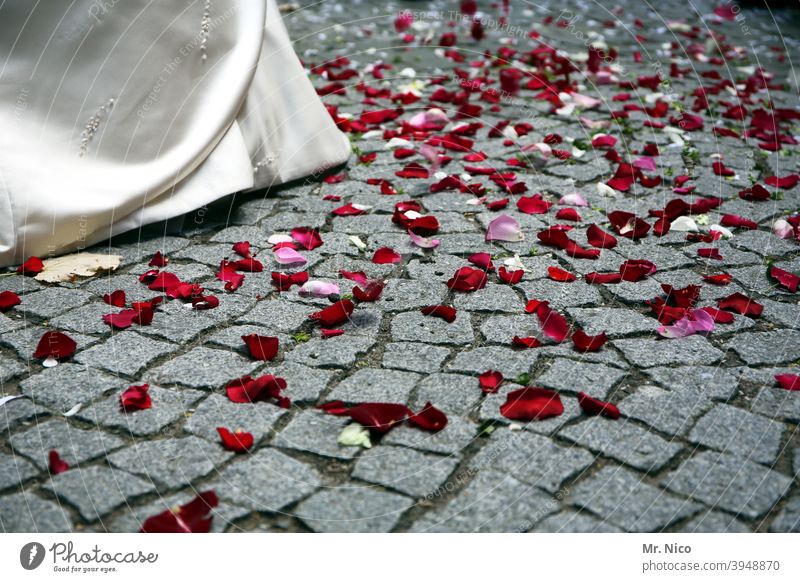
(706, 441)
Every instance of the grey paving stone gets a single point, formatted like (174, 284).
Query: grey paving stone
(532, 458)
(561, 295)
(501, 329)
(125, 352)
(303, 384)
(278, 314)
(452, 439)
(75, 445)
(67, 385)
(731, 483)
(317, 433)
(596, 380)
(404, 294)
(230, 338)
(732, 430)
(375, 385)
(415, 327)
(405, 470)
(25, 512)
(621, 497)
(17, 412)
(493, 298)
(10, 323)
(337, 352)
(614, 322)
(623, 441)
(171, 462)
(439, 267)
(492, 502)
(762, 242)
(168, 406)
(608, 357)
(85, 319)
(669, 412)
(710, 381)
(52, 301)
(453, 394)
(140, 246)
(408, 356)
(257, 418)
(96, 491)
(352, 509)
(575, 522)
(635, 293)
(203, 368)
(10, 368)
(178, 322)
(778, 404)
(15, 470)
(788, 520)
(511, 363)
(769, 347)
(714, 522)
(648, 353)
(782, 313)
(266, 481)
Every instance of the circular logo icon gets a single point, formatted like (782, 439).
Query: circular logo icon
(31, 555)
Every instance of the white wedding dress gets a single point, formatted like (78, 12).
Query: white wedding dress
(119, 113)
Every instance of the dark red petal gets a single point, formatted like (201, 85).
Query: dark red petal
(371, 292)
(328, 333)
(429, 418)
(308, 238)
(510, 277)
(158, 260)
(788, 381)
(54, 344)
(741, 304)
(526, 342)
(482, 260)
(261, 347)
(115, 298)
(490, 381)
(442, 311)
(535, 204)
(379, 417)
(559, 274)
(135, 398)
(597, 237)
(597, 407)
(242, 249)
(554, 325)
(568, 214)
(385, 255)
(238, 441)
(718, 316)
(9, 299)
(194, 517)
(786, 279)
(588, 343)
(33, 266)
(532, 404)
(602, 278)
(720, 279)
(55, 463)
(710, 253)
(467, 279)
(636, 269)
(337, 313)
(246, 389)
(121, 320)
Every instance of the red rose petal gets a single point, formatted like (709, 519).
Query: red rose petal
(532, 404)
(55, 463)
(285, 281)
(535, 204)
(337, 313)
(467, 279)
(308, 238)
(740, 304)
(490, 381)
(33, 266)
(54, 344)
(429, 418)
(786, 279)
(718, 316)
(588, 343)
(597, 237)
(737, 221)
(788, 381)
(158, 260)
(193, 517)
(568, 214)
(135, 398)
(442, 311)
(242, 249)
(636, 269)
(328, 333)
(385, 256)
(526, 342)
(560, 275)
(238, 441)
(602, 278)
(710, 253)
(115, 298)
(554, 325)
(720, 279)
(247, 389)
(371, 292)
(261, 347)
(379, 417)
(785, 183)
(482, 260)
(597, 407)
(9, 299)
(510, 277)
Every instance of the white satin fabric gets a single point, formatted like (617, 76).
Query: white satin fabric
(111, 117)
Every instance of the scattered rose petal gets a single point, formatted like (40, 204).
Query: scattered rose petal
(741, 304)
(467, 279)
(442, 311)
(9, 299)
(490, 381)
(288, 256)
(385, 256)
(193, 517)
(337, 313)
(786, 279)
(318, 289)
(788, 381)
(429, 418)
(504, 228)
(135, 398)
(33, 266)
(597, 407)
(588, 343)
(531, 403)
(560, 275)
(55, 463)
(54, 344)
(237, 442)
(261, 347)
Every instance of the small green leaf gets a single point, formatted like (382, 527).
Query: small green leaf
(301, 336)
